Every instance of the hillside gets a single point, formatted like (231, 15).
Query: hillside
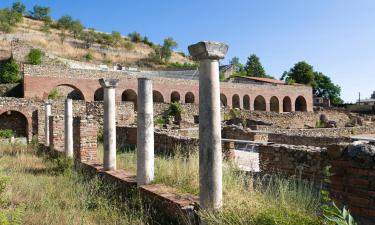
(30, 34)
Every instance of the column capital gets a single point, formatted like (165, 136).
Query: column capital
(108, 83)
(208, 50)
(48, 102)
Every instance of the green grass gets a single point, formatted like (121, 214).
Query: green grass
(43, 191)
(271, 200)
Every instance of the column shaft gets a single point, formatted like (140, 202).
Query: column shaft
(47, 108)
(109, 128)
(68, 128)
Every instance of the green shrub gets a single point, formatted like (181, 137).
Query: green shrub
(129, 46)
(135, 37)
(88, 57)
(7, 133)
(10, 73)
(35, 56)
(100, 135)
(9, 19)
(175, 109)
(54, 94)
(160, 120)
(189, 66)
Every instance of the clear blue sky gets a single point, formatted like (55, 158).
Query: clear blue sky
(337, 37)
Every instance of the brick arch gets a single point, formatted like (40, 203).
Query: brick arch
(287, 104)
(17, 115)
(189, 97)
(301, 104)
(175, 96)
(274, 104)
(130, 95)
(260, 103)
(246, 102)
(157, 96)
(236, 101)
(223, 100)
(76, 94)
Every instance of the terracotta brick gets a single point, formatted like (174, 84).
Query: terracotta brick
(356, 201)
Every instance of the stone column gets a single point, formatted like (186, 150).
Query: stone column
(145, 133)
(109, 128)
(210, 155)
(68, 128)
(47, 109)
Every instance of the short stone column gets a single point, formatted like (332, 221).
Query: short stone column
(47, 113)
(109, 133)
(145, 133)
(210, 155)
(68, 128)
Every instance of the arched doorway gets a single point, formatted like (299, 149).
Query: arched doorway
(223, 100)
(15, 121)
(175, 97)
(274, 104)
(236, 101)
(301, 104)
(189, 97)
(66, 91)
(129, 96)
(287, 104)
(246, 102)
(157, 96)
(99, 94)
(260, 103)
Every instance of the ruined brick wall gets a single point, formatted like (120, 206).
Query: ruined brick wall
(233, 132)
(305, 161)
(295, 139)
(56, 131)
(84, 139)
(353, 179)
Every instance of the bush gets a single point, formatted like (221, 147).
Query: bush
(88, 57)
(9, 19)
(189, 66)
(135, 37)
(35, 56)
(7, 133)
(10, 73)
(128, 45)
(54, 94)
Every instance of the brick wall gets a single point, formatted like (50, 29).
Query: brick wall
(84, 139)
(56, 133)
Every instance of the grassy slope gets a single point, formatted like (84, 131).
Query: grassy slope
(39, 194)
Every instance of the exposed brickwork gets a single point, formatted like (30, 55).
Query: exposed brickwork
(84, 139)
(56, 131)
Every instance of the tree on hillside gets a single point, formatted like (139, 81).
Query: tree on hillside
(76, 28)
(40, 13)
(116, 38)
(301, 73)
(64, 24)
(167, 48)
(19, 7)
(254, 68)
(88, 37)
(135, 37)
(8, 19)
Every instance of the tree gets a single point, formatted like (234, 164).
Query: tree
(166, 50)
(116, 38)
(135, 37)
(254, 68)
(8, 19)
(325, 88)
(64, 24)
(40, 13)
(89, 37)
(10, 73)
(19, 7)
(301, 73)
(76, 28)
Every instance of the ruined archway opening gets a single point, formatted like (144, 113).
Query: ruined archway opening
(66, 91)
(175, 97)
(15, 121)
(287, 104)
(246, 102)
(129, 96)
(157, 97)
(260, 103)
(236, 102)
(189, 97)
(223, 100)
(301, 104)
(99, 94)
(274, 104)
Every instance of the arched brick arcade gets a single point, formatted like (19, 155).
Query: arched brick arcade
(260, 103)
(287, 104)
(236, 101)
(157, 97)
(130, 96)
(15, 121)
(246, 102)
(223, 100)
(274, 104)
(69, 91)
(301, 104)
(99, 94)
(175, 97)
(189, 97)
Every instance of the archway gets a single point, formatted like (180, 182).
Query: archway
(223, 100)
(189, 97)
(301, 104)
(260, 103)
(15, 121)
(274, 104)
(99, 94)
(129, 96)
(175, 97)
(66, 91)
(246, 102)
(157, 96)
(287, 104)
(236, 101)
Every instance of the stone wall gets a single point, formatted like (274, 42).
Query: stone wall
(56, 131)
(11, 90)
(304, 161)
(84, 139)
(234, 132)
(318, 141)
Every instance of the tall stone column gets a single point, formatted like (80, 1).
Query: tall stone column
(109, 138)
(210, 155)
(68, 128)
(47, 109)
(145, 133)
